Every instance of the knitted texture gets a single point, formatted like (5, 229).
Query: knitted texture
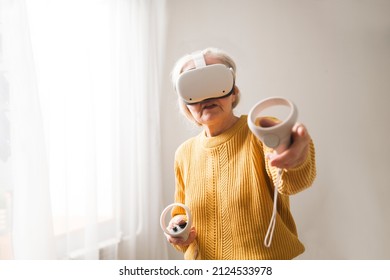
(228, 185)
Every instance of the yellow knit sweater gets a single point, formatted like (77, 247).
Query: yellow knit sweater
(228, 185)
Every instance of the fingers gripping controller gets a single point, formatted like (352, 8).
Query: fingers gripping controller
(278, 135)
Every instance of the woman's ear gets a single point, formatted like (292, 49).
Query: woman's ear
(236, 96)
(235, 90)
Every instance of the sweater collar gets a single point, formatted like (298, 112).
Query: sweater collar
(212, 142)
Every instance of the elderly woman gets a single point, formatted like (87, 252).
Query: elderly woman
(226, 176)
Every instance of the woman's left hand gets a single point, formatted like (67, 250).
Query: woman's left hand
(296, 154)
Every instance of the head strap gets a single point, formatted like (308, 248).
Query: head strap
(198, 59)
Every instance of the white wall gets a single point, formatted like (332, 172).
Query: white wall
(332, 58)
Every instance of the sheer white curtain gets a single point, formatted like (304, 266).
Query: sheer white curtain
(27, 231)
(137, 47)
(84, 136)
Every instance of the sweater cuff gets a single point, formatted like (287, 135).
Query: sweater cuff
(306, 162)
(301, 177)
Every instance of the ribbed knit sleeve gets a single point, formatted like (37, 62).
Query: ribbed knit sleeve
(296, 179)
(225, 183)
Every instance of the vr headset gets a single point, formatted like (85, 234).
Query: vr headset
(205, 82)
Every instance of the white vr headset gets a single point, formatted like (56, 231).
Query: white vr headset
(205, 81)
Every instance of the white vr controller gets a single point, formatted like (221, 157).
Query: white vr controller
(275, 134)
(278, 135)
(178, 231)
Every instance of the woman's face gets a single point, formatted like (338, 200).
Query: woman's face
(212, 112)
